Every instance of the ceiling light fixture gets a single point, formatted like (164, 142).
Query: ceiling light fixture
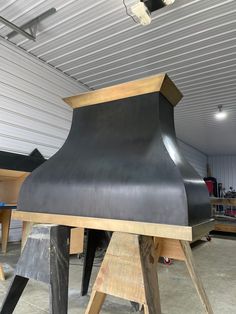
(140, 10)
(220, 115)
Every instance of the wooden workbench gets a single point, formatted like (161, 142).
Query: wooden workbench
(224, 223)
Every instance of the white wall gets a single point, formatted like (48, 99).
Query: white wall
(196, 158)
(224, 169)
(32, 112)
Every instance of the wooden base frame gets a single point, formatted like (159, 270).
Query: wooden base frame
(129, 271)
(188, 233)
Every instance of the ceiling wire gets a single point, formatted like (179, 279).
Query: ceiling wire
(127, 12)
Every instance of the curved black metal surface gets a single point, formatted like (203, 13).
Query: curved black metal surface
(120, 161)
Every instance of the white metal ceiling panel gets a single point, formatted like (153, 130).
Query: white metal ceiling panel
(97, 44)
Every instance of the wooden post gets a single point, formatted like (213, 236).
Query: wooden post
(6, 221)
(149, 260)
(2, 276)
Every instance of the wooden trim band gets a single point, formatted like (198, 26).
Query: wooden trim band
(143, 228)
(157, 83)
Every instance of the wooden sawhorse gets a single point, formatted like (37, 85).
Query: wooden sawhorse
(129, 271)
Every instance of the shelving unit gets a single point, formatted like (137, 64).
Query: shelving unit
(224, 223)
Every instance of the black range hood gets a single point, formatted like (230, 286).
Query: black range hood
(121, 160)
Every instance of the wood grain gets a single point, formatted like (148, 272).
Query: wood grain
(157, 83)
(195, 277)
(171, 248)
(5, 220)
(120, 274)
(223, 201)
(95, 303)
(2, 275)
(129, 271)
(142, 228)
(148, 258)
(225, 227)
(6, 174)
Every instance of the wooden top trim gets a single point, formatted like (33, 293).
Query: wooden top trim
(143, 228)
(157, 83)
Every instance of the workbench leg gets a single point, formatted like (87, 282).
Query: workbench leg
(195, 277)
(6, 221)
(95, 303)
(14, 293)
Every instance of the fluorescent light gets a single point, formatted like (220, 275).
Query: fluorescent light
(141, 12)
(220, 115)
(168, 2)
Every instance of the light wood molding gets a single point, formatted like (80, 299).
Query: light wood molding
(11, 175)
(225, 226)
(223, 201)
(142, 228)
(157, 83)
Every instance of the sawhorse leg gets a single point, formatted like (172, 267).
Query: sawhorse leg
(189, 260)
(128, 271)
(181, 250)
(15, 291)
(94, 239)
(45, 258)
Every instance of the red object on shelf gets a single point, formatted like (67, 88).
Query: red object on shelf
(210, 186)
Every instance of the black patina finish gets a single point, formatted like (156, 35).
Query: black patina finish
(18, 162)
(121, 160)
(45, 258)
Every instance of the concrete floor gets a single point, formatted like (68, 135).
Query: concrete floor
(216, 262)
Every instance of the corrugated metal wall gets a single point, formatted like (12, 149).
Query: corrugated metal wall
(224, 169)
(32, 113)
(196, 158)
